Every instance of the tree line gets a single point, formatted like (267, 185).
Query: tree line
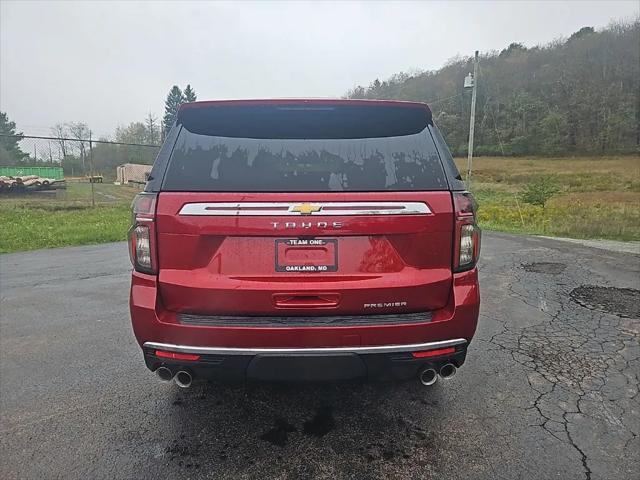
(571, 96)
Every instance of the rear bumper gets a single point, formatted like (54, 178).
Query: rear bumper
(312, 353)
(390, 362)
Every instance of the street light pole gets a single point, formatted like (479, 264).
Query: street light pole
(472, 120)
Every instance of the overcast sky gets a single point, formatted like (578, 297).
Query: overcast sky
(110, 63)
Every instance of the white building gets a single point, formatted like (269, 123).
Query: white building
(132, 173)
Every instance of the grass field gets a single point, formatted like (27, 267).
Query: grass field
(65, 217)
(598, 198)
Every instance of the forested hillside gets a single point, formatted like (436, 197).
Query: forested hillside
(575, 95)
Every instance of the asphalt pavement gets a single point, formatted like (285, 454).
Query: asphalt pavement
(549, 389)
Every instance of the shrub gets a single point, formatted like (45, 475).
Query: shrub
(539, 192)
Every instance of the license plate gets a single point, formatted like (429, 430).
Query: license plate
(313, 255)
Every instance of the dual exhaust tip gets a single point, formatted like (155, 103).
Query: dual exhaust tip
(182, 378)
(429, 376)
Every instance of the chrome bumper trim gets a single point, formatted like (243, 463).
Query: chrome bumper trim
(415, 347)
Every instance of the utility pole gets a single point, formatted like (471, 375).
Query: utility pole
(472, 120)
(91, 179)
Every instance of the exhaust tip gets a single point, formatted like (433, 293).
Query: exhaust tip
(183, 379)
(164, 374)
(428, 376)
(448, 371)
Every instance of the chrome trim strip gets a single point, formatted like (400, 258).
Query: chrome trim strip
(288, 208)
(415, 347)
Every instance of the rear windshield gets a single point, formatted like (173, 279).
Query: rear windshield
(204, 161)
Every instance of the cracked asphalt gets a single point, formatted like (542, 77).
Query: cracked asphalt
(549, 389)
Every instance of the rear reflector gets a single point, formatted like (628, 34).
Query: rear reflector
(434, 353)
(189, 357)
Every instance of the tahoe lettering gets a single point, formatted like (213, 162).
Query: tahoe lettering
(335, 225)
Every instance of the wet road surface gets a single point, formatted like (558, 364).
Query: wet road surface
(549, 389)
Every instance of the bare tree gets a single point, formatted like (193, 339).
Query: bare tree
(60, 131)
(80, 132)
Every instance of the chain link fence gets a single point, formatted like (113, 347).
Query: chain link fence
(39, 169)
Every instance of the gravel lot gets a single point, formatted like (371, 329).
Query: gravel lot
(549, 390)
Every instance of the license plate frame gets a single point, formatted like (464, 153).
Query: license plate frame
(302, 243)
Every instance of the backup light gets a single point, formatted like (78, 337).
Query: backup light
(143, 246)
(142, 233)
(467, 233)
(466, 244)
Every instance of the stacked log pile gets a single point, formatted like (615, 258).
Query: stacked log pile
(29, 183)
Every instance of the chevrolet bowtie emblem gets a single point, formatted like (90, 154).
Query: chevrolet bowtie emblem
(306, 208)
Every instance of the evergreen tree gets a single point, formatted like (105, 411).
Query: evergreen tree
(151, 124)
(10, 152)
(175, 98)
(190, 94)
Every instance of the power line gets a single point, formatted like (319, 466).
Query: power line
(444, 99)
(41, 129)
(493, 115)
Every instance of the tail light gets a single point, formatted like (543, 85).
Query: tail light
(467, 233)
(142, 234)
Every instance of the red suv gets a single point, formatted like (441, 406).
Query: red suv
(304, 240)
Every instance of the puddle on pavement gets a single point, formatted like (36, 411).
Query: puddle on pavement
(623, 302)
(278, 435)
(318, 426)
(321, 424)
(550, 268)
(184, 452)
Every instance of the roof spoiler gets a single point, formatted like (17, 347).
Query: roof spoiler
(305, 119)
